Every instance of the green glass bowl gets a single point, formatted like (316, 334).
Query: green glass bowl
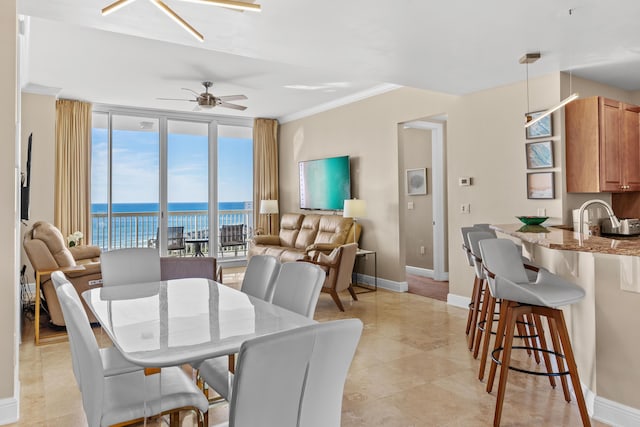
(533, 220)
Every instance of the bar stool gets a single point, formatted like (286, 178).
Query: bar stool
(525, 324)
(540, 298)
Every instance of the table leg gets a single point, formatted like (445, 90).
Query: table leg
(37, 308)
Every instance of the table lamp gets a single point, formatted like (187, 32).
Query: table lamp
(269, 207)
(354, 208)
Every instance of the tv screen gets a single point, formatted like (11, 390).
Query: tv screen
(325, 183)
(25, 185)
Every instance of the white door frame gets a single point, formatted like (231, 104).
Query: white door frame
(437, 164)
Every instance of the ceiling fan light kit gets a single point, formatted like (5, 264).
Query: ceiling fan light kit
(230, 4)
(530, 58)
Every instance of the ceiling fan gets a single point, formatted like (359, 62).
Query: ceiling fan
(208, 100)
(231, 4)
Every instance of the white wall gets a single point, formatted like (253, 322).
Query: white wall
(9, 388)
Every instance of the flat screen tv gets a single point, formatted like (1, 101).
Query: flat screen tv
(325, 183)
(25, 185)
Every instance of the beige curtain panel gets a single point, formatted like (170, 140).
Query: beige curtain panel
(73, 154)
(265, 170)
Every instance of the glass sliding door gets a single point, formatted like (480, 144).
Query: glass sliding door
(188, 187)
(135, 168)
(235, 190)
(100, 180)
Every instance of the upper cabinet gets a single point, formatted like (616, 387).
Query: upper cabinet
(603, 146)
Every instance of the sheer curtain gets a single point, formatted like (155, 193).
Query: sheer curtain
(73, 154)
(265, 170)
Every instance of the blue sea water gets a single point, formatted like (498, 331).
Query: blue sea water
(173, 207)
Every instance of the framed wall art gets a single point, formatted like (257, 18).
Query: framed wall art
(540, 185)
(416, 181)
(539, 154)
(541, 129)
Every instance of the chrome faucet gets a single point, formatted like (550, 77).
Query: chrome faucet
(615, 223)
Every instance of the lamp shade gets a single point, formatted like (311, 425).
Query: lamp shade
(354, 208)
(268, 206)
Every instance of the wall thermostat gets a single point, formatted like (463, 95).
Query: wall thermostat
(464, 181)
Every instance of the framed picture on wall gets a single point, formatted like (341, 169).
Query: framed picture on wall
(540, 185)
(416, 181)
(541, 129)
(539, 154)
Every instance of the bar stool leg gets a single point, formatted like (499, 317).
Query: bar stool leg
(472, 306)
(498, 342)
(487, 338)
(543, 344)
(513, 312)
(559, 360)
(484, 313)
(476, 308)
(530, 332)
(558, 316)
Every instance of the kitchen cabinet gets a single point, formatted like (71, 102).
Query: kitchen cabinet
(602, 146)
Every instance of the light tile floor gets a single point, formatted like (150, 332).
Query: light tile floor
(412, 368)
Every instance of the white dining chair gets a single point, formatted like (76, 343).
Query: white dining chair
(259, 277)
(296, 288)
(113, 363)
(281, 379)
(130, 265)
(125, 397)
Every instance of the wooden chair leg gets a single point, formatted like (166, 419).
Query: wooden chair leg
(352, 292)
(512, 314)
(543, 344)
(475, 312)
(559, 360)
(484, 314)
(487, 337)
(498, 342)
(531, 331)
(573, 368)
(472, 306)
(336, 299)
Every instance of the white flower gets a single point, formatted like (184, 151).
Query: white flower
(74, 238)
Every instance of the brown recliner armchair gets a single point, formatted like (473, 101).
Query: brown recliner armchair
(47, 251)
(339, 266)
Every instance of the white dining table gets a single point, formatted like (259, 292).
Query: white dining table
(172, 322)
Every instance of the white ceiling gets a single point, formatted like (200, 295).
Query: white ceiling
(299, 54)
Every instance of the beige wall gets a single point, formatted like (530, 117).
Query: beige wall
(38, 117)
(414, 148)
(367, 131)
(8, 207)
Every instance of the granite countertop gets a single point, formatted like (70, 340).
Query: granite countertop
(567, 240)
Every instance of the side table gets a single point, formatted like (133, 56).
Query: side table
(360, 254)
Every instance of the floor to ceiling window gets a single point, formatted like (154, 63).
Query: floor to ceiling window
(155, 176)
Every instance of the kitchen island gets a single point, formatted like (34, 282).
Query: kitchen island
(604, 326)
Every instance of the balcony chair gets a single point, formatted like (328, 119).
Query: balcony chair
(47, 251)
(339, 266)
(233, 236)
(126, 397)
(175, 239)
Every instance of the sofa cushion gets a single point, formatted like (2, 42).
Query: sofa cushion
(308, 231)
(290, 255)
(333, 229)
(55, 242)
(289, 228)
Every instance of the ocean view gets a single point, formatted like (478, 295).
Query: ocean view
(173, 207)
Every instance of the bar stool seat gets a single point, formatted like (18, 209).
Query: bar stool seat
(508, 281)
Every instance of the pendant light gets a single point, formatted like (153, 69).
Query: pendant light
(530, 58)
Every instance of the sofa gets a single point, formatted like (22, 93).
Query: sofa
(302, 236)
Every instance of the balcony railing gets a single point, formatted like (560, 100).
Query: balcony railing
(140, 229)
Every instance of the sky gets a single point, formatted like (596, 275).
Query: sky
(136, 167)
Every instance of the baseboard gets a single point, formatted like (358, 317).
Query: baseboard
(458, 300)
(10, 408)
(425, 272)
(614, 413)
(383, 283)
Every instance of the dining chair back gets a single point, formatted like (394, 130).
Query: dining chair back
(298, 286)
(130, 265)
(120, 398)
(259, 277)
(278, 376)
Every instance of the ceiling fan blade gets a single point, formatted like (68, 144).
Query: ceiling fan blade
(232, 98)
(234, 106)
(231, 4)
(176, 99)
(192, 91)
